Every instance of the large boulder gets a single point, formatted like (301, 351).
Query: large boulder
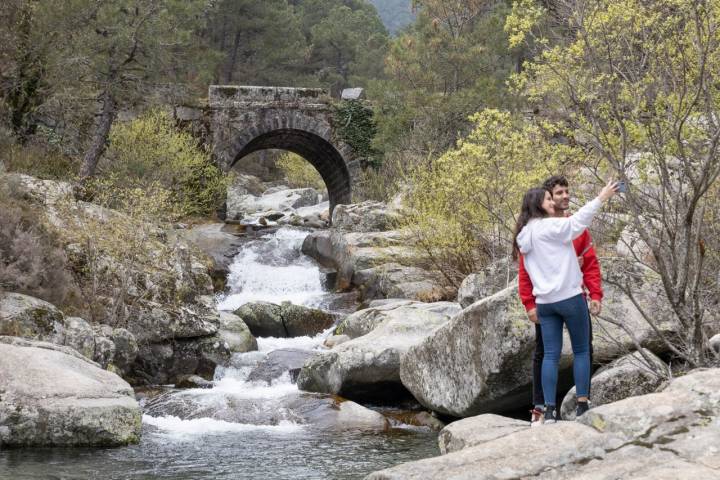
(473, 431)
(266, 319)
(659, 436)
(263, 319)
(367, 216)
(219, 244)
(53, 396)
(392, 280)
(366, 320)
(236, 333)
(486, 282)
(628, 376)
(29, 317)
(479, 362)
(380, 264)
(278, 362)
(367, 367)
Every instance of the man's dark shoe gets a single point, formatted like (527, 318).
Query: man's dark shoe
(550, 414)
(582, 407)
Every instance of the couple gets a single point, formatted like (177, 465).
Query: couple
(551, 248)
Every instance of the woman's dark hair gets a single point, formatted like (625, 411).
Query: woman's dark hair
(531, 208)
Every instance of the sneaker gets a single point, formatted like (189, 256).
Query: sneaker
(536, 417)
(582, 407)
(550, 414)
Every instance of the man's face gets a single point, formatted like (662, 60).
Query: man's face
(561, 197)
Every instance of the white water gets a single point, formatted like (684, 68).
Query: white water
(271, 269)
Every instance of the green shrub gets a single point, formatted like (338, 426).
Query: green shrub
(150, 154)
(462, 208)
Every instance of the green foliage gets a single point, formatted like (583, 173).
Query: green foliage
(354, 125)
(462, 209)
(636, 83)
(149, 158)
(299, 172)
(452, 62)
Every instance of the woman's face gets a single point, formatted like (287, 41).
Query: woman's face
(548, 205)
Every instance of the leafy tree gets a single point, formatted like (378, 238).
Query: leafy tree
(260, 42)
(637, 83)
(462, 208)
(453, 61)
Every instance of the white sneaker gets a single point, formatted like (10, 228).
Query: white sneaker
(537, 417)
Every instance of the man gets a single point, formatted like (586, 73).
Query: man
(590, 267)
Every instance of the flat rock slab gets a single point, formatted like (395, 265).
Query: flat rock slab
(473, 431)
(53, 396)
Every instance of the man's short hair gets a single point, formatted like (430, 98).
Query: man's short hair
(554, 181)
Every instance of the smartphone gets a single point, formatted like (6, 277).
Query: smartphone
(621, 187)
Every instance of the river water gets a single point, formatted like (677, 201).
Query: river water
(240, 428)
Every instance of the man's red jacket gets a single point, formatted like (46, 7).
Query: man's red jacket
(590, 270)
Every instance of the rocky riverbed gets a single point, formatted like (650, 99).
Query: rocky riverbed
(298, 332)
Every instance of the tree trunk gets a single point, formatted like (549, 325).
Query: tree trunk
(100, 137)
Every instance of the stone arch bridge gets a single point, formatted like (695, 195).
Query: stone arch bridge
(247, 119)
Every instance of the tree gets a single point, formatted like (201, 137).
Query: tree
(117, 52)
(22, 69)
(452, 62)
(462, 209)
(261, 42)
(637, 82)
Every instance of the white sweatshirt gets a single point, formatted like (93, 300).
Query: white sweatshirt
(549, 255)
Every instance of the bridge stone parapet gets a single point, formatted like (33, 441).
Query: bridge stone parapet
(245, 119)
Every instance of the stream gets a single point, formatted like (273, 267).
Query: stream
(242, 428)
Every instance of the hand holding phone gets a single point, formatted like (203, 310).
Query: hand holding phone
(621, 187)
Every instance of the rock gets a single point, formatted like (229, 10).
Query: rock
(335, 340)
(625, 377)
(29, 317)
(365, 217)
(714, 343)
(237, 335)
(330, 412)
(53, 396)
(392, 280)
(166, 362)
(367, 367)
(364, 321)
(649, 436)
(505, 457)
(278, 362)
(126, 348)
(104, 351)
(399, 418)
(263, 319)
(300, 321)
(266, 319)
(479, 362)
(473, 431)
(278, 199)
(219, 245)
(630, 245)
(193, 381)
(347, 253)
(485, 283)
(80, 336)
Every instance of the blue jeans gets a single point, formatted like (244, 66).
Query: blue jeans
(573, 312)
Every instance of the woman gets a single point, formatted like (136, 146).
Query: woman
(546, 245)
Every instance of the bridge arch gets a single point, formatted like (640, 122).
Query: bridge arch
(299, 120)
